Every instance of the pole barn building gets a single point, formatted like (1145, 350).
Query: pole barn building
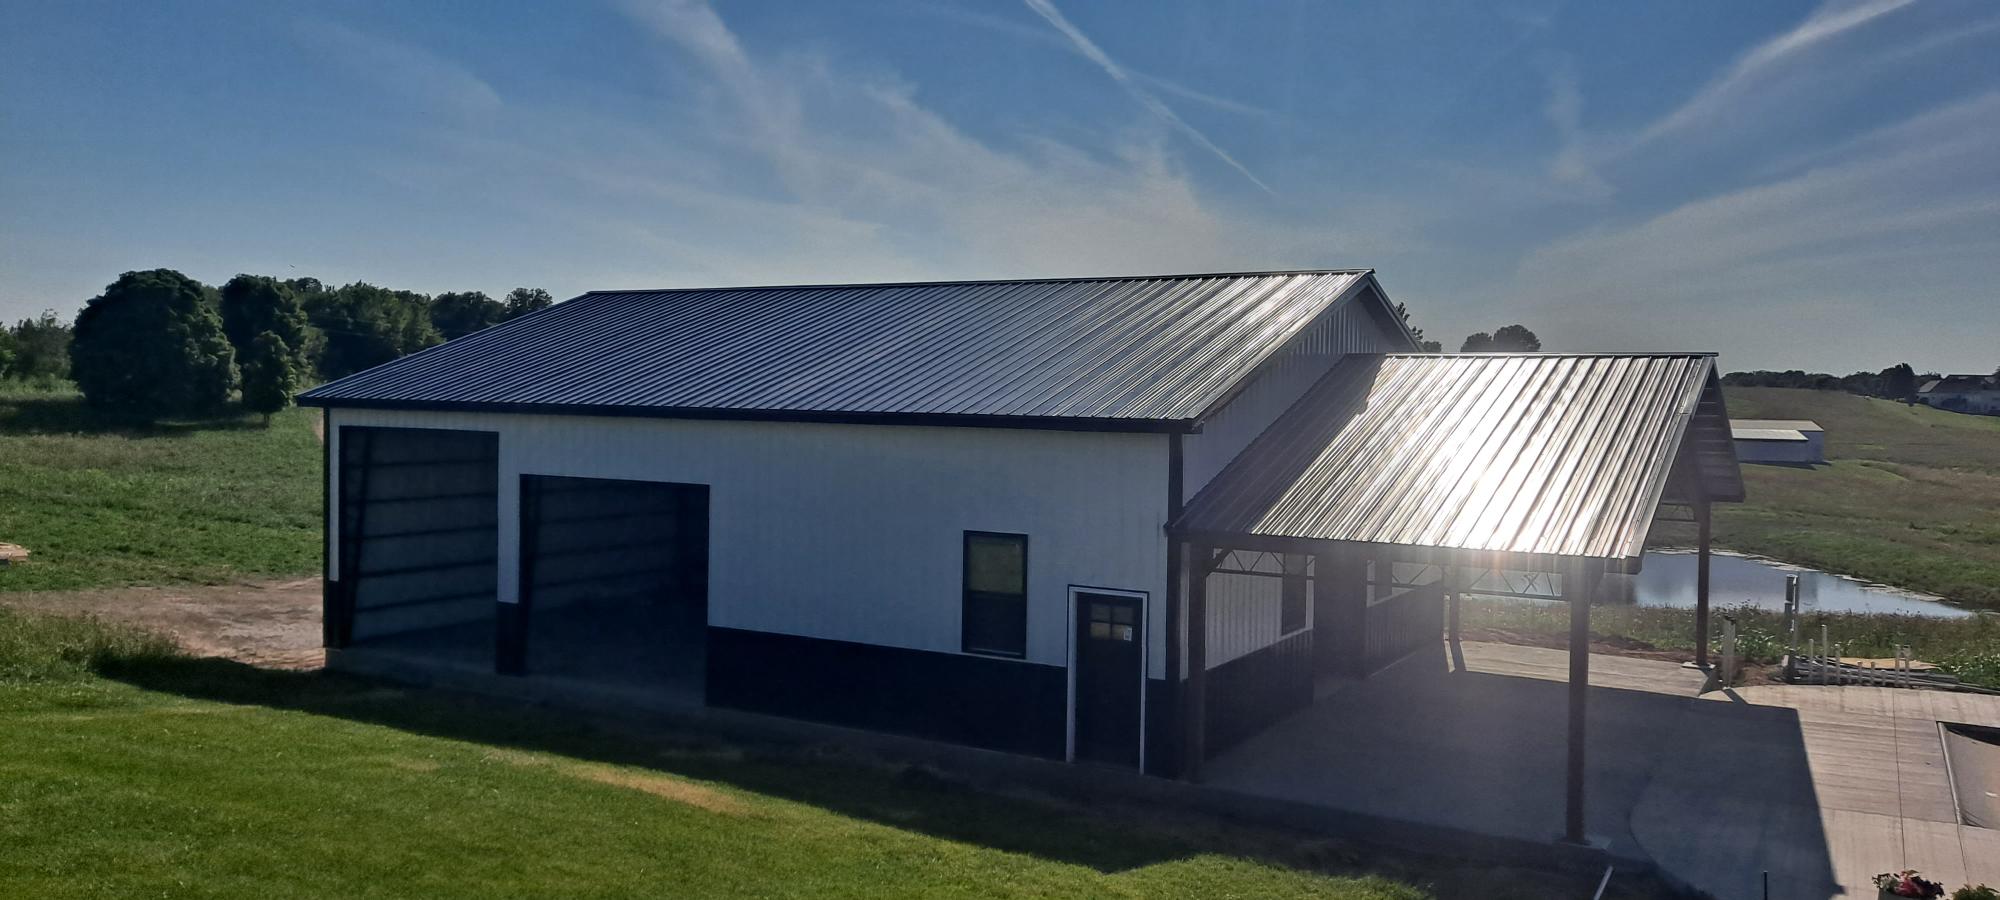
(979, 512)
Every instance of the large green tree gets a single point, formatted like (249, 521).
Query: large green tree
(366, 326)
(41, 347)
(6, 352)
(1505, 339)
(271, 375)
(1899, 382)
(152, 345)
(522, 301)
(255, 304)
(458, 314)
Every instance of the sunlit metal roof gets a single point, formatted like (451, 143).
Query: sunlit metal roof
(1130, 353)
(1529, 455)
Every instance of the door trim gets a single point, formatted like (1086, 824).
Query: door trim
(1069, 662)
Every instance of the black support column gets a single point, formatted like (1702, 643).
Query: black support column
(1340, 617)
(1455, 588)
(1701, 517)
(1579, 582)
(1194, 741)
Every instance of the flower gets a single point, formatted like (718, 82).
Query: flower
(1908, 883)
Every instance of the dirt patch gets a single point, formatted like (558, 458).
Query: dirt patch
(275, 624)
(665, 787)
(661, 786)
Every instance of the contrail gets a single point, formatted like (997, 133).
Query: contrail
(1096, 54)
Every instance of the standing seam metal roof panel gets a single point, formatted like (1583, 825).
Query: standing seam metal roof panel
(1531, 454)
(1144, 349)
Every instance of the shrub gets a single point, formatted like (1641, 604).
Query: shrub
(270, 376)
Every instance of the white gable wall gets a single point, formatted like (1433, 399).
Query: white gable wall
(1346, 327)
(854, 532)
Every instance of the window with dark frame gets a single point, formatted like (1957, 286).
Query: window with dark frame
(995, 612)
(1292, 595)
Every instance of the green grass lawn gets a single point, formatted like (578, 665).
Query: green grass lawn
(1910, 497)
(131, 771)
(101, 503)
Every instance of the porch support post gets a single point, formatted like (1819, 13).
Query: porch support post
(1701, 582)
(1351, 626)
(1455, 589)
(1579, 583)
(1195, 741)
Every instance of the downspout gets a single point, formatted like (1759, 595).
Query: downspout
(1172, 700)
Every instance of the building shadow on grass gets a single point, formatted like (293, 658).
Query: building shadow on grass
(1077, 829)
(903, 796)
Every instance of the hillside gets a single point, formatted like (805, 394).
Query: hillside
(1908, 497)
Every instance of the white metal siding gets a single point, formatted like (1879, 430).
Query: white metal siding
(853, 532)
(1243, 615)
(1347, 327)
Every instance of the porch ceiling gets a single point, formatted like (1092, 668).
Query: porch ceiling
(1521, 459)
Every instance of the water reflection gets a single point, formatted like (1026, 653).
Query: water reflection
(1668, 580)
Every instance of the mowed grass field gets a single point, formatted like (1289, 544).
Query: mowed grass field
(135, 772)
(100, 502)
(1910, 495)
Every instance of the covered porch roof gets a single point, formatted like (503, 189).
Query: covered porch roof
(1520, 460)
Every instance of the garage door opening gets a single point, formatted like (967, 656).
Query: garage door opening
(614, 581)
(418, 565)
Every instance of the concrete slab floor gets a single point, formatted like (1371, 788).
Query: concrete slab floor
(1482, 750)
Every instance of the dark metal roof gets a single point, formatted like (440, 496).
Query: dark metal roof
(1527, 455)
(1127, 353)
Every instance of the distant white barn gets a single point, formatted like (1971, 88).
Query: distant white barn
(1796, 442)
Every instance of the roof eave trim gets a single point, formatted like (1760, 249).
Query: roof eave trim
(937, 420)
(1461, 556)
(903, 284)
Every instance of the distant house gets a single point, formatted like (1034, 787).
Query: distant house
(1963, 393)
(1782, 441)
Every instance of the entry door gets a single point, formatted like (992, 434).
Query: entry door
(1110, 661)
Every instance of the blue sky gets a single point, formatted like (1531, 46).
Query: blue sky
(1791, 184)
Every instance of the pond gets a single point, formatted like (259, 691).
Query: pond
(1668, 579)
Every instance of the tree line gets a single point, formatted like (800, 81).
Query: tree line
(157, 343)
(1897, 382)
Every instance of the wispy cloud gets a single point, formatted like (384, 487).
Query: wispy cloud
(1027, 32)
(399, 68)
(1564, 110)
(1908, 207)
(1834, 18)
(1146, 98)
(773, 165)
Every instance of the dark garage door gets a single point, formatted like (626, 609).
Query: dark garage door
(418, 541)
(614, 577)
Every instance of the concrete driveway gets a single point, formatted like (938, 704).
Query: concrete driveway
(1821, 787)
